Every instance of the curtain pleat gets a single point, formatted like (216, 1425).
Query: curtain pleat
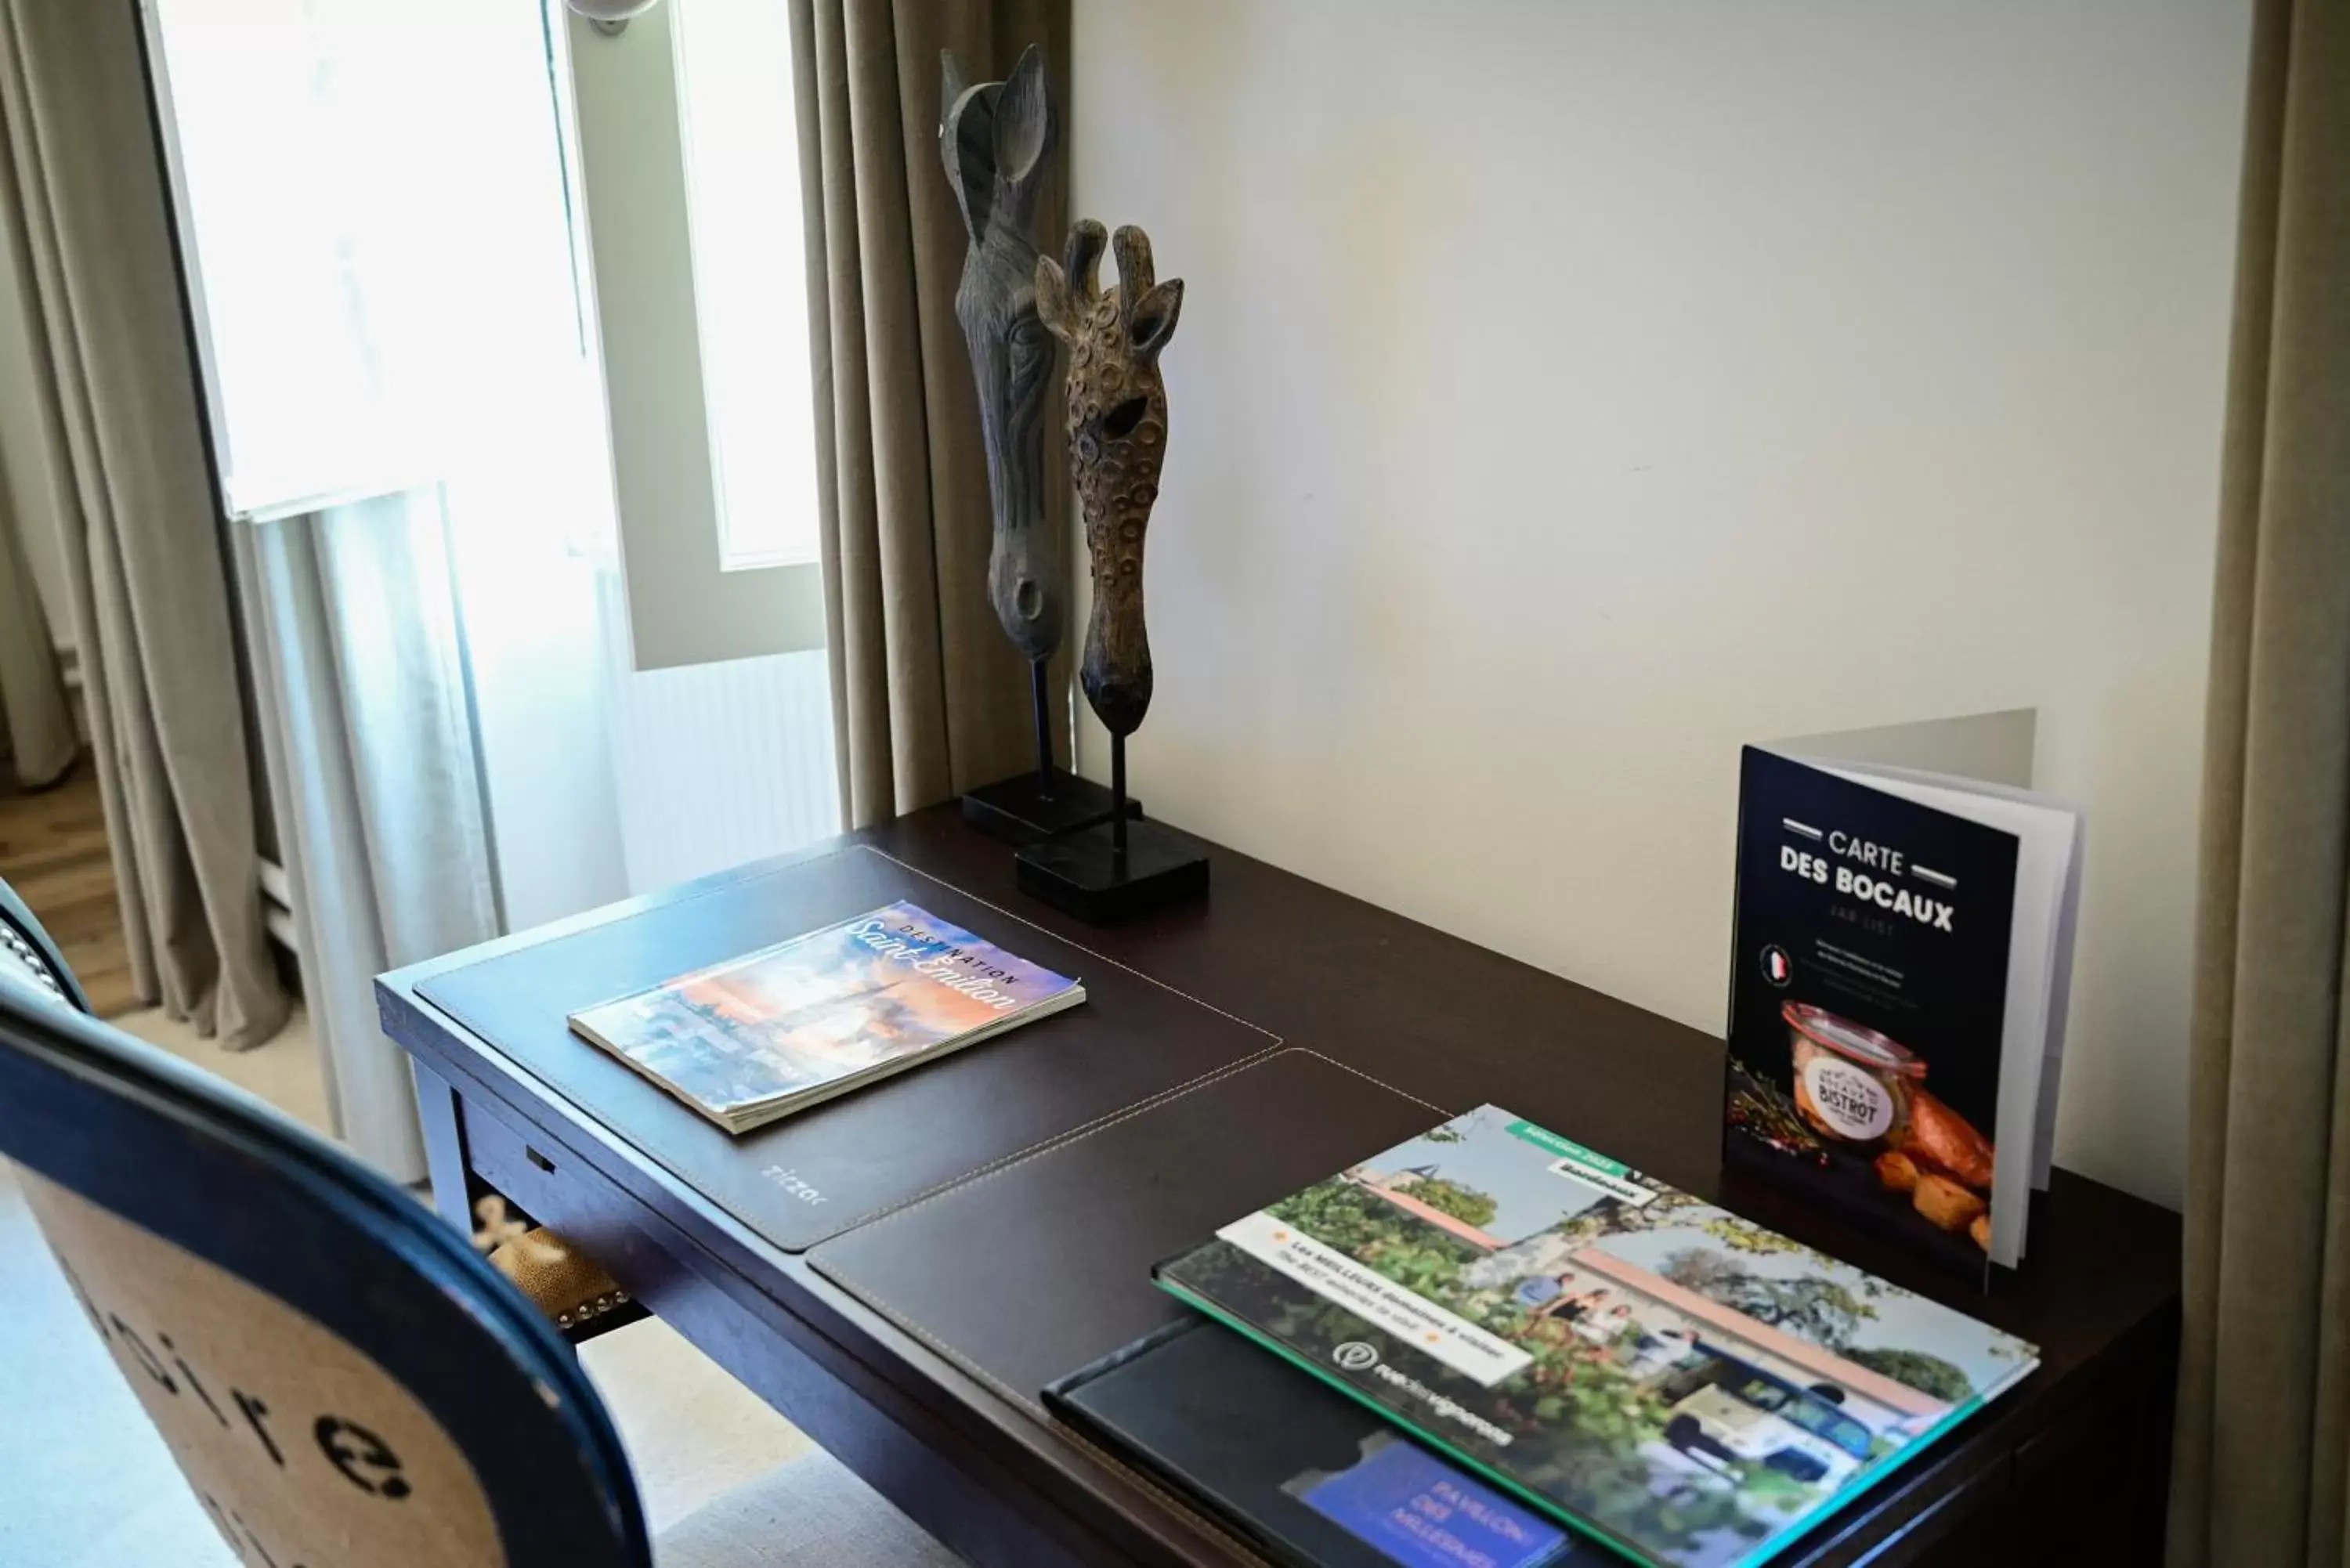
(928, 697)
(37, 731)
(2263, 1454)
(377, 777)
(142, 543)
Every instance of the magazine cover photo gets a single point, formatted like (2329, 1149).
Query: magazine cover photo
(1690, 1385)
(836, 1001)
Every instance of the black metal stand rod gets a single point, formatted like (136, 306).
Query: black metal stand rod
(1042, 696)
(1118, 801)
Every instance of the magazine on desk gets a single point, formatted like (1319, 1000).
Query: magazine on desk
(1901, 968)
(758, 1037)
(1648, 1368)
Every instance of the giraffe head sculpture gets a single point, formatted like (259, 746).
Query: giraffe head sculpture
(1118, 439)
(993, 137)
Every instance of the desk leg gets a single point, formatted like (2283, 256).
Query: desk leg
(445, 1147)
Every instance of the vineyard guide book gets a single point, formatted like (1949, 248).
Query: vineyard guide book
(758, 1037)
(1650, 1368)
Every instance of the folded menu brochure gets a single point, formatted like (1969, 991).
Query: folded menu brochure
(1650, 1369)
(772, 1032)
(1903, 952)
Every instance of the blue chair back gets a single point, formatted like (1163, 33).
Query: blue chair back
(341, 1378)
(27, 953)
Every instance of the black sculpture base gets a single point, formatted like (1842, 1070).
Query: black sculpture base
(1082, 874)
(1025, 809)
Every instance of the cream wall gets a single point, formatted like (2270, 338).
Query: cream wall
(1568, 393)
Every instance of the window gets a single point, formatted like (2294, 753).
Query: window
(689, 165)
(416, 232)
(373, 205)
(750, 278)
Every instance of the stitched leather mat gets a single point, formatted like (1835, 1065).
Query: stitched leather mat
(1043, 1265)
(875, 1148)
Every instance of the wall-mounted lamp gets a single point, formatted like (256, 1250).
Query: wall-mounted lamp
(609, 18)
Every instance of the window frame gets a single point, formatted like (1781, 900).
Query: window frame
(685, 605)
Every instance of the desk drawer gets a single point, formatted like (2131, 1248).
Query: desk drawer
(566, 1195)
(1968, 1527)
(531, 1178)
(984, 1512)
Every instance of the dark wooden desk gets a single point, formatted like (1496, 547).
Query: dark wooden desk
(2070, 1466)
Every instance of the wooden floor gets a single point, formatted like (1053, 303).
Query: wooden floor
(52, 852)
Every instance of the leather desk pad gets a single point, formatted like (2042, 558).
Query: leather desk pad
(1031, 1270)
(877, 1148)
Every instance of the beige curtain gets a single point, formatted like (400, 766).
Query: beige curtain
(143, 540)
(37, 731)
(928, 697)
(2263, 1436)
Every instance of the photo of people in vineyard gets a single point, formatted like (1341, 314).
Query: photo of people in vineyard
(1697, 1388)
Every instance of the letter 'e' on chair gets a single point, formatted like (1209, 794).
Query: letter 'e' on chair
(343, 1380)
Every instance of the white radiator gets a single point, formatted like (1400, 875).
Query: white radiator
(715, 763)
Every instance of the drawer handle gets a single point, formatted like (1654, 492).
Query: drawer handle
(539, 1159)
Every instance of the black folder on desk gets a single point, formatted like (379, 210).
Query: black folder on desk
(1303, 1473)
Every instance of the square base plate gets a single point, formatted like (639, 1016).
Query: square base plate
(1028, 809)
(1082, 874)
